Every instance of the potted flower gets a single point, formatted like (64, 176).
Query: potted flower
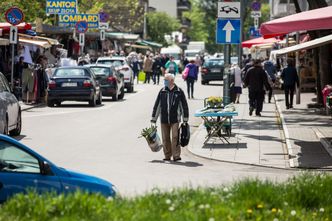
(213, 102)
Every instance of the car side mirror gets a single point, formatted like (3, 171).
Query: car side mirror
(46, 169)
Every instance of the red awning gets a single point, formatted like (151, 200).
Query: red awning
(316, 19)
(256, 41)
(21, 27)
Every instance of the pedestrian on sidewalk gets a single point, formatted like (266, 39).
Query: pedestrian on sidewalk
(290, 78)
(237, 82)
(171, 66)
(135, 66)
(156, 67)
(171, 105)
(271, 70)
(191, 78)
(147, 67)
(256, 80)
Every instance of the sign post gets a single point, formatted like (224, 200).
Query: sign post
(81, 28)
(228, 32)
(14, 16)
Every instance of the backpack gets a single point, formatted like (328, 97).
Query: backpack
(184, 134)
(171, 68)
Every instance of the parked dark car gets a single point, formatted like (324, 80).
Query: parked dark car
(110, 80)
(23, 169)
(73, 84)
(10, 110)
(212, 70)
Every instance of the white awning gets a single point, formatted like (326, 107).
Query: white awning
(49, 40)
(39, 43)
(303, 46)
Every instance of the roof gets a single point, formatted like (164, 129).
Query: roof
(39, 43)
(316, 19)
(303, 46)
(256, 41)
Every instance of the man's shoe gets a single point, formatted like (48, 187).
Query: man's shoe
(251, 110)
(258, 114)
(177, 159)
(291, 106)
(167, 159)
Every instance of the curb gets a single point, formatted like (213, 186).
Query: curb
(325, 143)
(292, 158)
(26, 108)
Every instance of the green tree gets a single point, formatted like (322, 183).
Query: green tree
(198, 30)
(159, 24)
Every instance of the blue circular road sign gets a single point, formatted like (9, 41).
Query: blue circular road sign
(256, 6)
(81, 26)
(103, 16)
(14, 16)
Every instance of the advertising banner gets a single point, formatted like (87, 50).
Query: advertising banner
(71, 20)
(61, 7)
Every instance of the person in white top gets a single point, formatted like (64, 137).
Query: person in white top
(237, 81)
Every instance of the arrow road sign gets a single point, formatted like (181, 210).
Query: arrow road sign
(102, 35)
(13, 35)
(81, 39)
(228, 31)
(229, 10)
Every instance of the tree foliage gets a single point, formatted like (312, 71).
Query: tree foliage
(197, 31)
(159, 24)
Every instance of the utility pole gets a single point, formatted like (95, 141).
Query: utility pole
(145, 34)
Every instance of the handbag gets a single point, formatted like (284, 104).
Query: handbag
(141, 76)
(184, 134)
(185, 73)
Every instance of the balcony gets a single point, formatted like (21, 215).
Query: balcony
(183, 5)
(185, 23)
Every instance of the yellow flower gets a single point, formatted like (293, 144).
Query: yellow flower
(260, 206)
(249, 211)
(274, 210)
(314, 214)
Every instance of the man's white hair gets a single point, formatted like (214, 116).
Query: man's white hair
(170, 76)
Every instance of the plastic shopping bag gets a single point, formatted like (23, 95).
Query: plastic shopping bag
(141, 76)
(152, 138)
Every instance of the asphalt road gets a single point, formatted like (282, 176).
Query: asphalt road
(103, 141)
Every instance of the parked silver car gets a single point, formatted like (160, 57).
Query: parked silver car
(10, 110)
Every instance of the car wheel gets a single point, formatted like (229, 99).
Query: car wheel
(17, 130)
(58, 103)
(122, 93)
(115, 97)
(207, 82)
(50, 103)
(203, 82)
(92, 102)
(100, 99)
(131, 88)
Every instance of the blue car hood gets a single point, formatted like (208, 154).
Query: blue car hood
(85, 177)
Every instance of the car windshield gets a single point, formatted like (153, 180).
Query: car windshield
(115, 63)
(75, 72)
(101, 71)
(176, 56)
(188, 54)
(214, 62)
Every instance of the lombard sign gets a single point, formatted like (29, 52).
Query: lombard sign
(71, 20)
(61, 6)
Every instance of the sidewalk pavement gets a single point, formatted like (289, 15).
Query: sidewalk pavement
(266, 141)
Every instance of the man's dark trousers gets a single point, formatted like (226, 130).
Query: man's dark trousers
(289, 95)
(256, 99)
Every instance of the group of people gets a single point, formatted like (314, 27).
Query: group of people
(260, 78)
(152, 65)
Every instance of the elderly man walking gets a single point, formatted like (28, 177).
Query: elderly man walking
(256, 80)
(171, 105)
